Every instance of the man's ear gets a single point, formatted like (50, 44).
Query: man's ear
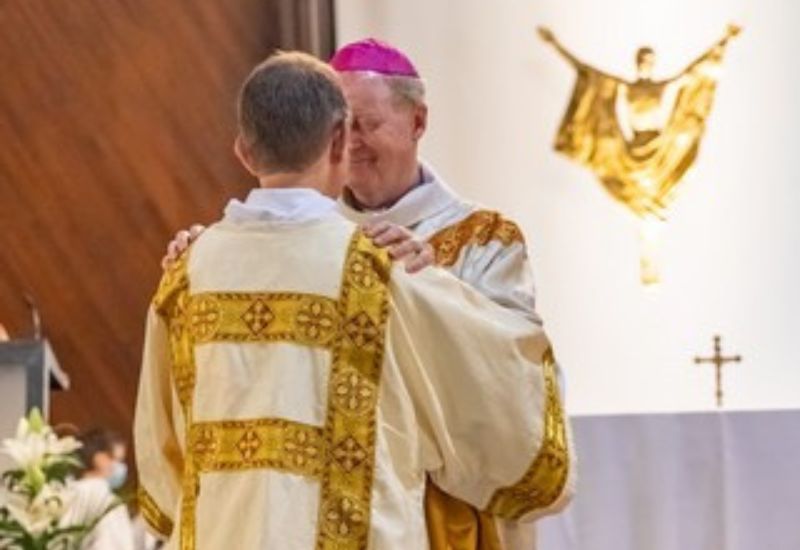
(420, 121)
(338, 142)
(245, 156)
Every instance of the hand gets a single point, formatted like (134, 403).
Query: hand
(180, 243)
(546, 34)
(401, 244)
(733, 30)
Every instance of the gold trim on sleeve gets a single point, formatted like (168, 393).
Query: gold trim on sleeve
(544, 481)
(152, 514)
(479, 228)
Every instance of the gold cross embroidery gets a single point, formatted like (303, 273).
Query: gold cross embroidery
(341, 453)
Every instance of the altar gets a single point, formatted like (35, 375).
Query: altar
(683, 481)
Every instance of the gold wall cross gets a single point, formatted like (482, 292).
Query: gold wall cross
(718, 360)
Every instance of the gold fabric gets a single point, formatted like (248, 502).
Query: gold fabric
(152, 514)
(261, 443)
(640, 171)
(479, 228)
(342, 452)
(455, 525)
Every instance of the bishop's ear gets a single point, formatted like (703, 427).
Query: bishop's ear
(420, 121)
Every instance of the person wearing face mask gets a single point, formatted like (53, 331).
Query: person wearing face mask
(104, 471)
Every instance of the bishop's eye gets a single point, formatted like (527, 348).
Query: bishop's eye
(365, 123)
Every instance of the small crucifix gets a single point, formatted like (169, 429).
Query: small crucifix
(718, 360)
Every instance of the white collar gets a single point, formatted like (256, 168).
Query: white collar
(281, 204)
(430, 197)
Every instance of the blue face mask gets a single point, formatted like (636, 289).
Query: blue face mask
(119, 473)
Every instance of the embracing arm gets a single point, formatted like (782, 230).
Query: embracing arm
(484, 383)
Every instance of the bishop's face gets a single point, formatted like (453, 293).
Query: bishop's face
(383, 140)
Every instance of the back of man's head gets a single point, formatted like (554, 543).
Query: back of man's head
(289, 106)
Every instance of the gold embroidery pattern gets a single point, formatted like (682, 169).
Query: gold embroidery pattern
(342, 453)
(352, 393)
(352, 397)
(480, 227)
(255, 444)
(183, 318)
(544, 481)
(263, 317)
(152, 514)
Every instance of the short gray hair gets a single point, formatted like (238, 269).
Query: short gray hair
(407, 89)
(288, 107)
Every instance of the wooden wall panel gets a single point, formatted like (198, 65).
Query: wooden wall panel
(116, 125)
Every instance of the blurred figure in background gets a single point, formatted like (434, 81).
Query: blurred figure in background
(104, 471)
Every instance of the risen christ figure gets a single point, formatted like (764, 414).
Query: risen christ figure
(641, 136)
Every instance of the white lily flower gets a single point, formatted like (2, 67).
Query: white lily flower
(37, 515)
(27, 451)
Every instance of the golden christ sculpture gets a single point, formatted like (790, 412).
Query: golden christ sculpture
(639, 137)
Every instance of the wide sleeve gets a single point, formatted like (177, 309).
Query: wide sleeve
(159, 455)
(483, 381)
(502, 272)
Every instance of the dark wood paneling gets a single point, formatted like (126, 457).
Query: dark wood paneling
(116, 124)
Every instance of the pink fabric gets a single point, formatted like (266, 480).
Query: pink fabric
(375, 56)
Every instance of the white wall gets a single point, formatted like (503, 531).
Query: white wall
(731, 249)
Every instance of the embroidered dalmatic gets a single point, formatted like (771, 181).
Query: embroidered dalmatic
(297, 389)
(487, 252)
(477, 245)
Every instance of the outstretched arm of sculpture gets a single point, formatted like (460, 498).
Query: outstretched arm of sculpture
(550, 38)
(715, 51)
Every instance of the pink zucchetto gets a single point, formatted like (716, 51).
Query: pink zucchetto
(373, 56)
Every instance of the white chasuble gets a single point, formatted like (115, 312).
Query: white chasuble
(297, 389)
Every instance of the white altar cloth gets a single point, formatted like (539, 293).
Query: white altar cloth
(685, 481)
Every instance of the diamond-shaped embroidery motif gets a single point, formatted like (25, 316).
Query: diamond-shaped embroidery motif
(361, 330)
(258, 317)
(248, 444)
(349, 454)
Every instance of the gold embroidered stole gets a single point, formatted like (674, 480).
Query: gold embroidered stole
(340, 454)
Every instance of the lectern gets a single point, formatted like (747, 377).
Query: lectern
(29, 371)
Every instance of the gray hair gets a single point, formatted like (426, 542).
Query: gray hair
(407, 89)
(288, 107)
